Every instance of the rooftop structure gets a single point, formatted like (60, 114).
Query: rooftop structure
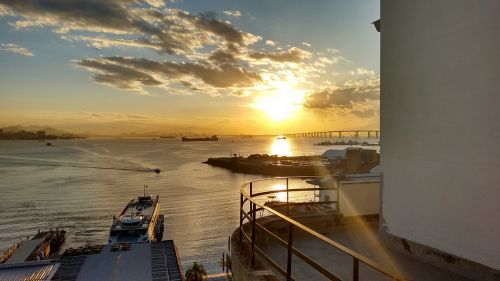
(158, 261)
(29, 271)
(319, 242)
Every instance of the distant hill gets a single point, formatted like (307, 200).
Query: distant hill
(48, 130)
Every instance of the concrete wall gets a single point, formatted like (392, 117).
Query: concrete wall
(359, 198)
(440, 118)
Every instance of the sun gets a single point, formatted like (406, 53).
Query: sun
(281, 104)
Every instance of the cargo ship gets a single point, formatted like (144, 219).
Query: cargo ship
(212, 138)
(140, 221)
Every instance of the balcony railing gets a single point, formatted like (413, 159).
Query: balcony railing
(251, 202)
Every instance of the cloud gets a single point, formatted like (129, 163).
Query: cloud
(270, 43)
(15, 49)
(136, 73)
(293, 54)
(306, 44)
(221, 56)
(169, 31)
(362, 72)
(200, 52)
(235, 14)
(112, 116)
(354, 97)
(207, 21)
(101, 42)
(119, 76)
(156, 3)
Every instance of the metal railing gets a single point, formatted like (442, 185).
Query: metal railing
(251, 215)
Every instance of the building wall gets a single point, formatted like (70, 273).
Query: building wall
(440, 119)
(359, 198)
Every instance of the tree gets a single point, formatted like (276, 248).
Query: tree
(196, 273)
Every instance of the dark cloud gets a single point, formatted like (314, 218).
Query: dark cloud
(221, 56)
(133, 73)
(171, 31)
(365, 113)
(293, 54)
(209, 22)
(119, 76)
(349, 97)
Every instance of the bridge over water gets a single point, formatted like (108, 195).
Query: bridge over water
(337, 133)
(321, 134)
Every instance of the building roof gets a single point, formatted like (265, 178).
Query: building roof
(28, 271)
(140, 261)
(24, 251)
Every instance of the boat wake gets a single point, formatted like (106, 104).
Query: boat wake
(43, 162)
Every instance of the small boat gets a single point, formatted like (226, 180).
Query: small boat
(156, 170)
(140, 221)
(281, 138)
(48, 144)
(212, 138)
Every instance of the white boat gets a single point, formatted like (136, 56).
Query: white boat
(140, 221)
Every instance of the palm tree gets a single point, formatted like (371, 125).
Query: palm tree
(196, 273)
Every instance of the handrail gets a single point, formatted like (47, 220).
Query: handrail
(251, 217)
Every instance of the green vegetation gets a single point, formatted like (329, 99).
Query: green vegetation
(196, 273)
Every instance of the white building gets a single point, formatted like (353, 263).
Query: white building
(440, 118)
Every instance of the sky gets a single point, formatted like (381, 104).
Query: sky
(214, 67)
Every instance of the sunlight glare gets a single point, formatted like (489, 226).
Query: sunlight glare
(281, 147)
(282, 104)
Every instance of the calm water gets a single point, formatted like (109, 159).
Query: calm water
(79, 185)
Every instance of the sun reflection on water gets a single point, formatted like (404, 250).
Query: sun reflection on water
(280, 196)
(281, 147)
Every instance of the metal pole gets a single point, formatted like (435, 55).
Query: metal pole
(355, 269)
(287, 201)
(253, 232)
(241, 215)
(289, 256)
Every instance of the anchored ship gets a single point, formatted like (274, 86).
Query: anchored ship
(140, 221)
(212, 138)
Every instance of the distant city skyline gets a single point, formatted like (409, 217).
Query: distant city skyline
(222, 67)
